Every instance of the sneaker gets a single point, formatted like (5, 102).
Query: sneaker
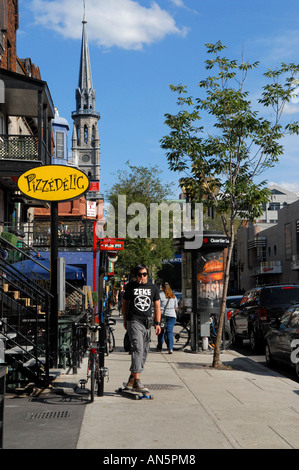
(170, 351)
(130, 383)
(139, 387)
(158, 350)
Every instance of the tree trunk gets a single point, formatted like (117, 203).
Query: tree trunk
(216, 357)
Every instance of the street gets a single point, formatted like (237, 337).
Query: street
(280, 368)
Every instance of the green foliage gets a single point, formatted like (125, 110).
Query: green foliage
(141, 185)
(244, 144)
(95, 297)
(10, 237)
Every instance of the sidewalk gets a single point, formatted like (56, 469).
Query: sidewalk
(241, 405)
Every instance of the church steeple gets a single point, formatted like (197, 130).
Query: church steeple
(85, 140)
(85, 94)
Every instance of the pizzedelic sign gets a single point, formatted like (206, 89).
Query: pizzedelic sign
(52, 183)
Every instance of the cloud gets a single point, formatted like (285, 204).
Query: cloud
(181, 4)
(178, 3)
(293, 187)
(122, 23)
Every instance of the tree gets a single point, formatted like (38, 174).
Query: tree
(243, 147)
(141, 185)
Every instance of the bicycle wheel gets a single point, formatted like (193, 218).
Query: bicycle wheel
(92, 378)
(227, 337)
(181, 336)
(111, 341)
(107, 343)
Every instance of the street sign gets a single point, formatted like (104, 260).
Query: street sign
(112, 244)
(93, 193)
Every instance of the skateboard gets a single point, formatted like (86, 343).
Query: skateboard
(135, 394)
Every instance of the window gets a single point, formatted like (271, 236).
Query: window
(59, 145)
(274, 206)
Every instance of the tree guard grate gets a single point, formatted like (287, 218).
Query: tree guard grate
(163, 386)
(48, 415)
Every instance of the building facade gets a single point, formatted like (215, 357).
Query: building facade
(271, 255)
(26, 111)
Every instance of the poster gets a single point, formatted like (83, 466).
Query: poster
(210, 278)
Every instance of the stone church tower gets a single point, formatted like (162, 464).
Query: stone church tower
(85, 139)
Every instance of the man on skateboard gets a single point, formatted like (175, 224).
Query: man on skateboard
(140, 295)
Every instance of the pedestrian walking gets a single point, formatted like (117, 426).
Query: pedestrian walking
(169, 306)
(140, 297)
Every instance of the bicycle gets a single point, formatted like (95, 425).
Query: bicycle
(94, 372)
(110, 339)
(182, 335)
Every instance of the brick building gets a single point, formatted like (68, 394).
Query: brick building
(26, 111)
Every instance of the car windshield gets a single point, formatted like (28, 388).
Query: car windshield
(234, 300)
(280, 295)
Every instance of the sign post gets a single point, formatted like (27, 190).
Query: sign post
(53, 320)
(106, 245)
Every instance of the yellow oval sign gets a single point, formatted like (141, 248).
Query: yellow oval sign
(53, 183)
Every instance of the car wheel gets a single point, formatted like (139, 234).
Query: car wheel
(235, 339)
(268, 355)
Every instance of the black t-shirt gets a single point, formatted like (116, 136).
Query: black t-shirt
(140, 298)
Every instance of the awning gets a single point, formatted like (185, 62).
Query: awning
(35, 271)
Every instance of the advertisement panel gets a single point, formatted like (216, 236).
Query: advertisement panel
(210, 274)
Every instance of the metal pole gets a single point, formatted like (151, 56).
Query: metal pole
(53, 322)
(94, 285)
(102, 332)
(194, 323)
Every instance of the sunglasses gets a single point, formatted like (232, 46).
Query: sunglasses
(142, 274)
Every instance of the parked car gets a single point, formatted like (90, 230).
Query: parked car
(232, 302)
(260, 306)
(282, 339)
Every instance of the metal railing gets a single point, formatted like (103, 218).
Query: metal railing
(75, 297)
(70, 234)
(18, 147)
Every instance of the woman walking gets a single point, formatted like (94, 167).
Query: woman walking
(169, 305)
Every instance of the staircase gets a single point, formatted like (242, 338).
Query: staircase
(25, 306)
(24, 342)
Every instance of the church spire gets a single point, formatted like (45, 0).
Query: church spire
(85, 94)
(85, 139)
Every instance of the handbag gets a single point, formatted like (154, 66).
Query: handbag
(163, 316)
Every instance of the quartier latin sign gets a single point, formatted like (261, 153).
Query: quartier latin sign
(53, 183)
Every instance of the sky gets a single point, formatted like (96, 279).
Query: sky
(138, 48)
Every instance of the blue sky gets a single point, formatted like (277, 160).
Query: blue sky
(138, 48)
